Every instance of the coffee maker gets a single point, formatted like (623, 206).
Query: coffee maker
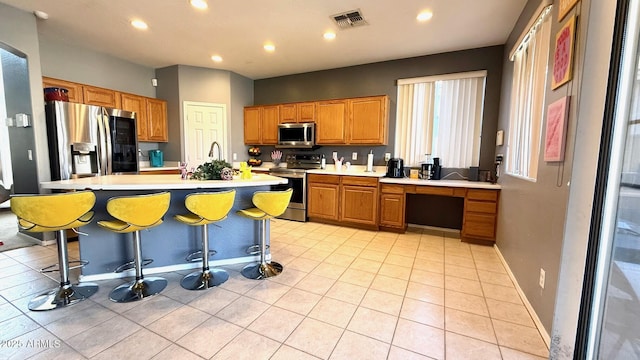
(395, 168)
(436, 169)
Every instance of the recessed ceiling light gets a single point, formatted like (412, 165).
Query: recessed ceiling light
(425, 15)
(139, 24)
(199, 4)
(269, 47)
(329, 35)
(216, 58)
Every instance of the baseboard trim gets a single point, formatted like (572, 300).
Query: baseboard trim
(543, 332)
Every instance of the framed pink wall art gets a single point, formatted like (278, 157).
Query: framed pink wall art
(563, 54)
(555, 134)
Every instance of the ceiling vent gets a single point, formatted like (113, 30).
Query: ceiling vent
(349, 19)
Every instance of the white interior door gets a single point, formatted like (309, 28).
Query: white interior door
(204, 123)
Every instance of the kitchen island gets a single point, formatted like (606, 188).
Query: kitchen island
(169, 243)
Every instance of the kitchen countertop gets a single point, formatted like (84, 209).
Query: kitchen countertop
(157, 182)
(447, 183)
(354, 170)
(168, 165)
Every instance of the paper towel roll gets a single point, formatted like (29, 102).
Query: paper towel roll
(370, 162)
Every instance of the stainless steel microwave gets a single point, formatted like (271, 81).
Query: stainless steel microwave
(296, 135)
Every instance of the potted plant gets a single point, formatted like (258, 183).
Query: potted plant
(213, 170)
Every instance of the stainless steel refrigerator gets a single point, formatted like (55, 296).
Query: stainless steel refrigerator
(86, 140)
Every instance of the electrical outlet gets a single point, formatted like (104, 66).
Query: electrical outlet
(30, 154)
(235, 156)
(335, 155)
(541, 281)
(387, 156)
(354, 156)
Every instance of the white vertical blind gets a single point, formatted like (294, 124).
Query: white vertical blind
(414, 131)
(527, 100)
(440, 116)
(459, 122)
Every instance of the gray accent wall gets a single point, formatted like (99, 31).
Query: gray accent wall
(532, 215)
(598, 17)
(380, 79)
(180, 83)
(62, 60)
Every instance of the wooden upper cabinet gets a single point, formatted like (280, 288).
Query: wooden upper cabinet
(252, 116)
(331, 124)
(307, 112)
(157, 120)
(102, 97)
(261, 125)
(151, 116)
(270, 121)
(75, 89)
(137, 104)
(298, 112)
(288, 113)
(369, 120)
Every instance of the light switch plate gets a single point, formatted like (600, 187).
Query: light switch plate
(354, 156)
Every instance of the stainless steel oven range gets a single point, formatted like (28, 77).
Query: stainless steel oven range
(296, 174)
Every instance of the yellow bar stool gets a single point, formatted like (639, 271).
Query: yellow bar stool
(57, 212)
(205, 208)
(132, 214)
(269, 204)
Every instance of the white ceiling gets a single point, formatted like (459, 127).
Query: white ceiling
(237, 30)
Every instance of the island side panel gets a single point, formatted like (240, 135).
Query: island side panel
(170, 242)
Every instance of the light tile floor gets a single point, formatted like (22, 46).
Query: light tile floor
(344, 294)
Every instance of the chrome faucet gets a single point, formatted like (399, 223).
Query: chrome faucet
(215, 143)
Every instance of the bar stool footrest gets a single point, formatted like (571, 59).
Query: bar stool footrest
(255, 249)
(138, 289)
(262, 270)
(131, 265)
(197, 256)
(56, 267)
(62, 296)
(202, 280)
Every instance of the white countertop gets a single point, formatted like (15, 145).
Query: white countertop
(168, 165)
(157, 182)
(354, 170)
(448, 183)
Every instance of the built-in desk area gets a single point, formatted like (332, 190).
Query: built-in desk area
(480, 207)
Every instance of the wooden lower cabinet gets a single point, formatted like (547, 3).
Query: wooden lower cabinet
(480, 214)
(392, 210)
(323, 200)
(359, 200)
(348, 199)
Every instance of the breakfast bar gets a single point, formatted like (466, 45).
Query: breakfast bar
(169, 243)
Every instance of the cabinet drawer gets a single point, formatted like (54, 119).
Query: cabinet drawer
(324, 179)
(480, 225)
(484, 195)
(360, 181)
(481, 206)
(392, 189)
(434, 190)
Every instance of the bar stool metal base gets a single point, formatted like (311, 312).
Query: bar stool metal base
(138, 289)
(62, 296)
(202, 280)
(262, 270)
